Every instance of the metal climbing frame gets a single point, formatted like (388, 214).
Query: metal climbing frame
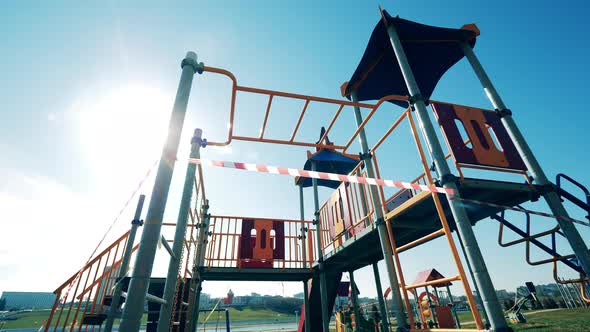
(356, 214)
(361, 213)
(483, 129)
(307, 100)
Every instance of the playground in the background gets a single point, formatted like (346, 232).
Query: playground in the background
(359, 224)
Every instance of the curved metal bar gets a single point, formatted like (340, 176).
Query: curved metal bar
(233, 102)
(370, 115)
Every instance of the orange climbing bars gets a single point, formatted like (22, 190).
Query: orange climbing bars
(306, 102)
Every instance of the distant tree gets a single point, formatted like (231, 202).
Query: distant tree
(549, 303)
(562, 304)
(298, 295)
(508, 303)
(536, 305)
(375, 315)
(2, 304)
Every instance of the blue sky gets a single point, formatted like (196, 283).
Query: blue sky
(86, 91)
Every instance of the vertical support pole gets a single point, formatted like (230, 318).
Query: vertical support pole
(551, 197)
(382, 230)
(453, 309)
(322, 272)
(135, 223)
(199, 261)
(355, 302)
(482, 277)
(179, 236)
(418, 308)
(306, 306)
(140, 278)
(227, 328)
(382, 308)
(431, 307)
(305, 312)
(478, 297)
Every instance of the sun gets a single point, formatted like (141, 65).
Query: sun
(123, 130)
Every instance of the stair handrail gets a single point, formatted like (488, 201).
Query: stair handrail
(565, 194)
(91, 262)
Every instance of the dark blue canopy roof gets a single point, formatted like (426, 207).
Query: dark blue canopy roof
(327, 161)
(431, 51)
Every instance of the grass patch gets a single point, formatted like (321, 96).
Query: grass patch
(34, 319)
(246, 314)
(27, 319)
(558, 320)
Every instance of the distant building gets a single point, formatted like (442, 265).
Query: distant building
(205, 300)
(230, 298)
(27, 300)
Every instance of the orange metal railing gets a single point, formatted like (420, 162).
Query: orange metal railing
(223, 247)
(357, 206)
(84, 293)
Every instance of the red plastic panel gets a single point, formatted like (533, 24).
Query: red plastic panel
(444, 316)
(480, 125)
(279, 251)
(339, 217)
(246, 241)
(261, 241)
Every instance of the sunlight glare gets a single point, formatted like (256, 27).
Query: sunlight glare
(123, 131)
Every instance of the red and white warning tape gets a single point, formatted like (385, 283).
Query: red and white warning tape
(365, 180)
(321, 175)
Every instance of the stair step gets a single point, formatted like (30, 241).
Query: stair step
(108, 299)
(93, 319)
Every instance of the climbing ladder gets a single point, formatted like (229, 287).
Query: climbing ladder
(553, 234)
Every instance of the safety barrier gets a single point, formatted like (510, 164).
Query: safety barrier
(89, 289)
(239, 242)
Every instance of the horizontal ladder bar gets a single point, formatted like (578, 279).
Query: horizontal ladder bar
(421, 240)
(433, 282)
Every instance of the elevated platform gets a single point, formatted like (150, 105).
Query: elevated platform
(417, 217)
(411, 220)
(258, 274)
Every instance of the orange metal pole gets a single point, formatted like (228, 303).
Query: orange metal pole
(402, 280)
(434, 282)
(332, 122)
(266, 117)
(304, 97)
(299, 120)
(445, 224)
(284, 142)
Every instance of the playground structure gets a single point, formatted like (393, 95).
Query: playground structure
(402, 64)
(514, 314)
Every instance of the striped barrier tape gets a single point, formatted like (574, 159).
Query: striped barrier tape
(64, 297)
(321, 175)
(365, 180)
(518, 209)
